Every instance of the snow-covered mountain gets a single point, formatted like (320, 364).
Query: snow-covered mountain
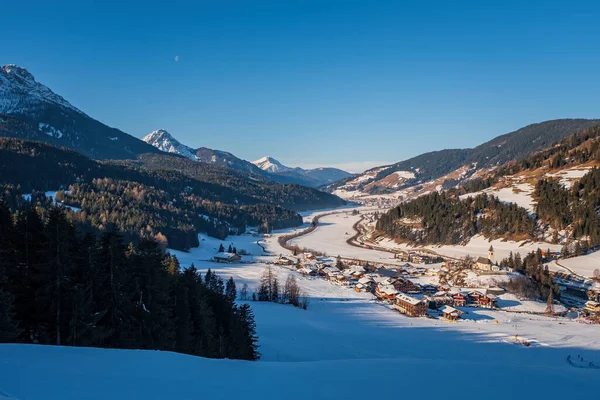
(162, 140)
(270, 164)
(267, 167)
(311, 177)
(20, 92)
(446, 168)
(31, 110)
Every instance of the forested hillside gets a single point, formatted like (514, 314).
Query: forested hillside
(58, 286)
(570, 209)
(443, 218)
(514, 146)
(162, 197)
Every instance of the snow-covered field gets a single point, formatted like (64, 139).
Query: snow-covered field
(478, 246)
(568, 176)
(494, 371)
(584, 265)
(330, 237)
(343, 345)
(521, 194)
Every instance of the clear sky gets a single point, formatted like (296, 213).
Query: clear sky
(351, 83)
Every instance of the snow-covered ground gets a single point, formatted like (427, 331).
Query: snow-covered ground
(494, 371)
(52, 195)
(521, 194)
(344, 344)
(478, 246)
(584, 265)
(571, 175)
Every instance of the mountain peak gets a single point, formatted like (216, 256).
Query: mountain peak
(17, 71)
(270, 164)
(164, 141)
(20, 92)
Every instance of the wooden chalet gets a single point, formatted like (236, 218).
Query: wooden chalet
(386, 292)
(227, 257)
(488, 301)
(284, 261)
(459, 299)
(450, 313)
(406, 286)
(410, 306)
(474, 296)
(442, 298)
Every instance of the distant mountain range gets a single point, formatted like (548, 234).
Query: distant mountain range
(267, 167)
(310, 177)
(446, 168)
(31, 110)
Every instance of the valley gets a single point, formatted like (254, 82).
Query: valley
(452, 261)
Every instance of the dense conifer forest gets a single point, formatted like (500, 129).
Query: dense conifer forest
(159, 197)
(60, 286)
(445, 219)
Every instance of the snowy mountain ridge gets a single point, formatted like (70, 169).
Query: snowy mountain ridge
(164, 141)
(19, 91)
(30, 110)
(270, 164)
(267, 167)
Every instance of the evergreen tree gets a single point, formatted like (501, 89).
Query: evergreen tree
(230, 290)
(221, 248)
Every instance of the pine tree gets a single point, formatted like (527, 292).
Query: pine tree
(251, 339)
(182, 318)
(221, 248)
(275, 290)
(230, 290)
(230, 249)
(8, 323)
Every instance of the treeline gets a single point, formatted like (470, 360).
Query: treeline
(576, 149)
(145, 199)
(575, 207)
(445, 219)
(59, 286)
(537, 282)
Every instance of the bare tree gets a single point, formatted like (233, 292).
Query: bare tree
(291, 291)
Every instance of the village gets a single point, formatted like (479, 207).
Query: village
(430, 286)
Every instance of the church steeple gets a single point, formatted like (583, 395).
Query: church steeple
(491, 254)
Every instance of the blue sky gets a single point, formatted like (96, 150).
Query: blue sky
(351, 83)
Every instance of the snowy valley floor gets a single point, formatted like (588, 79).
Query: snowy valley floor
(344, 346)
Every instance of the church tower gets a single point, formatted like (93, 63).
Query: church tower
(491, 255)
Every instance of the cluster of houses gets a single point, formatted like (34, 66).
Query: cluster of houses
(485, 298)
(417, 258)
(393, 285)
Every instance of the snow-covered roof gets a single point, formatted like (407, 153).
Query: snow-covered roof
(408, 299)
(450, 310)
(226, 256)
